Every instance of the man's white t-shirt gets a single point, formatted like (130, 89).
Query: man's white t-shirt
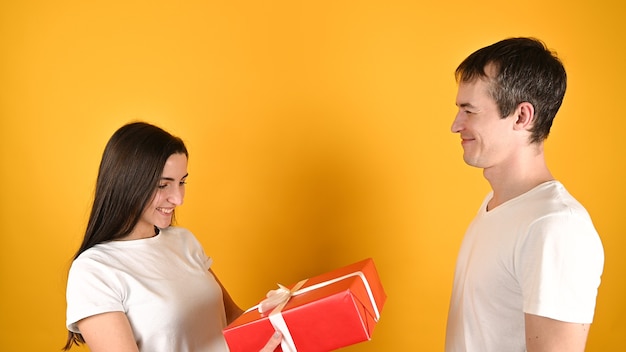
(538, 253)
(162, 284)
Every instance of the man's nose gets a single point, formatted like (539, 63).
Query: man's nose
(457, 123)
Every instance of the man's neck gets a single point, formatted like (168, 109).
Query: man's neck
(517, 177)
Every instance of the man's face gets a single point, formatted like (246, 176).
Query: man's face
(486, 137)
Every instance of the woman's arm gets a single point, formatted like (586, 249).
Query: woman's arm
(232, 309)
(108, 332)
(233, 312)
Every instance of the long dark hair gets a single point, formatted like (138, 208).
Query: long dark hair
(131, 166)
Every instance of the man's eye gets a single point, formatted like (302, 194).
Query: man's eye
(182, 183)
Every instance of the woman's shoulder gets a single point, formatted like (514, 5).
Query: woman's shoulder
(177, 231)
(99, 258)
(179, 234)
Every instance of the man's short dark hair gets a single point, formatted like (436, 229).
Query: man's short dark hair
(525, 71)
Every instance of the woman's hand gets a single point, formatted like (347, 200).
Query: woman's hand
(273, 342)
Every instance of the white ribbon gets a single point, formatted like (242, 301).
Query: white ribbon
(280, 296)
(277, 299)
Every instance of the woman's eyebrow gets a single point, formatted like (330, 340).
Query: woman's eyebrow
(171, 179)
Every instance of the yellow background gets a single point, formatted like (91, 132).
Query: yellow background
(319, 134)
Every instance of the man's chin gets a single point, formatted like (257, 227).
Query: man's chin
(474, 163)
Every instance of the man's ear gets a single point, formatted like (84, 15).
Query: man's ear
(525, 113)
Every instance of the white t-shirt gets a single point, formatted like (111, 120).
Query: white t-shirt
(538, 253)
(164, 286)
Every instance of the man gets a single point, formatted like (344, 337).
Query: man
(529, 266)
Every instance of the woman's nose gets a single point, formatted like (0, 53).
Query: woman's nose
(176, 195)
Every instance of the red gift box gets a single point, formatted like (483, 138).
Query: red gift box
(329, 311)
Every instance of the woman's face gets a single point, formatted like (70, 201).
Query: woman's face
(169, 194)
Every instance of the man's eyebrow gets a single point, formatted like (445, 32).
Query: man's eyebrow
(466, 105)
(171, 179)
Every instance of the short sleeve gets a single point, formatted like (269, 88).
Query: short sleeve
(559, 267)
(208, 262)
(196, 248)
(91, 290)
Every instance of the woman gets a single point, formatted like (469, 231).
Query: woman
(137, 283)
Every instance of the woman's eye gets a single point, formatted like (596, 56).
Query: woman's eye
(162, 186)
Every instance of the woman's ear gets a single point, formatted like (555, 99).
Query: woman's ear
(525, 113)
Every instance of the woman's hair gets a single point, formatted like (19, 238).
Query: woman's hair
(526, 71)
(131, 167)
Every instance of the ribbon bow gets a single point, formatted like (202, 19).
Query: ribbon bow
(276, 300)
(280, 296)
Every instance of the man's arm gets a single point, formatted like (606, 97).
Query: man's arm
(549, 335)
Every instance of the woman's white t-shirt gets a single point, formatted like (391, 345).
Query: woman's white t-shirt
(162, 284)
